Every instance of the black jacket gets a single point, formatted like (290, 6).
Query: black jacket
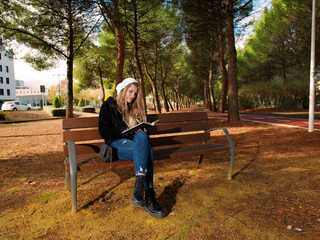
(111, 124)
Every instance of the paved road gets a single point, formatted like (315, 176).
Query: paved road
(296, 121)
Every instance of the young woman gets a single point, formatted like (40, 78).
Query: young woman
(122, 113)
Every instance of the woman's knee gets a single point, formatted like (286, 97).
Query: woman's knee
(142, 135)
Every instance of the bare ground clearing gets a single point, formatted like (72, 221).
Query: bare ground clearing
(274, 193)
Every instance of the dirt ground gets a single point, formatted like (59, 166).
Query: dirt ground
(274, 193)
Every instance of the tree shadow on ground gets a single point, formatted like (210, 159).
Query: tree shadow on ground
(252, 160)
(167, 198)
(124, 175)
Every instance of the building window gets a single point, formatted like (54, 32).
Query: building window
(1, 79)
(0, 55)
(0, 68)
(1, 92)
(7, 69)
(8, 92)
(7, 80)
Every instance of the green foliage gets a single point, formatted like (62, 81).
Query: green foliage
(56, 102)
(85, 109)
(58, 112)
(51, 29)
(245, 102)
(41, 103)
(42, 26)
(273, 67)
(96, 67)
(81, 103)
(75, 102)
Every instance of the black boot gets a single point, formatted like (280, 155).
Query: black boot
(151, 205)
(137, 199)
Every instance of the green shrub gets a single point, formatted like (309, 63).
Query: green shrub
(85, 109)
(81, 103)
(41, 103)
(245, 102)
(89, 109)
(56, 103)
(2, 116)
(75, 102)
(58, 112)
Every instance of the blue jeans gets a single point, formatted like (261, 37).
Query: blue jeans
(140, 151)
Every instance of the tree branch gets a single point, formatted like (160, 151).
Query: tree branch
(17, 30)
(87, 36)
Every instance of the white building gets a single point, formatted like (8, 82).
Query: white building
(7, 80)
(29, 95)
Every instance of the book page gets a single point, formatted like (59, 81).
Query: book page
(142, 126)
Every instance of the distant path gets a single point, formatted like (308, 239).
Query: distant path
(295, 120)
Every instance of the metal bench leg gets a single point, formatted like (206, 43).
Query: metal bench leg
(67, 180)
(73, 174)
(200, 158)
(232, 150)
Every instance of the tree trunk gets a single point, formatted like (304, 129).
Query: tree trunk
(154, 79)
(210, 80)
(103, 94)
(115, 19)
(169, 102)
(283, 63)
(121, 55)
(177, 96)
(136, 55)
(69, 112)
(205, 95)
(233, 113)
(162, 79)
(223, 69)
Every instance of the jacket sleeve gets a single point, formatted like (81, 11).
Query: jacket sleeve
(109, 126)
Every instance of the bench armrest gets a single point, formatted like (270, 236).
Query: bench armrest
(232, 148)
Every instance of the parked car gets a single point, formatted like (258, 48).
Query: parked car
(15, 106)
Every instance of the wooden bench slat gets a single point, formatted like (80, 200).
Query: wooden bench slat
(180, 139)
(82, 122)
(85, 148)
(87, 122)
(189, 150)
(81, 135)
(178, 117)
(179, 127)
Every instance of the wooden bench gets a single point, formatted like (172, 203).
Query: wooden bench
(176, 135)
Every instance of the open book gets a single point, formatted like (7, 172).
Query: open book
(142, 126)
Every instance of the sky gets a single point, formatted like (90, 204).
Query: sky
(24, 71)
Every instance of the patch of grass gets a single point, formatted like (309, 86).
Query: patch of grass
(45, 197)
(12, 190)
(105, 175)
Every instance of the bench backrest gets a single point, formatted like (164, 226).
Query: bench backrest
(172, 129)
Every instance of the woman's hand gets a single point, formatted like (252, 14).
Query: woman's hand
(141, 130)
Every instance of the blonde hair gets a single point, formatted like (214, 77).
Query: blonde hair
(133, 113)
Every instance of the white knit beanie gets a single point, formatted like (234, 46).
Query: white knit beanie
(125, 83)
